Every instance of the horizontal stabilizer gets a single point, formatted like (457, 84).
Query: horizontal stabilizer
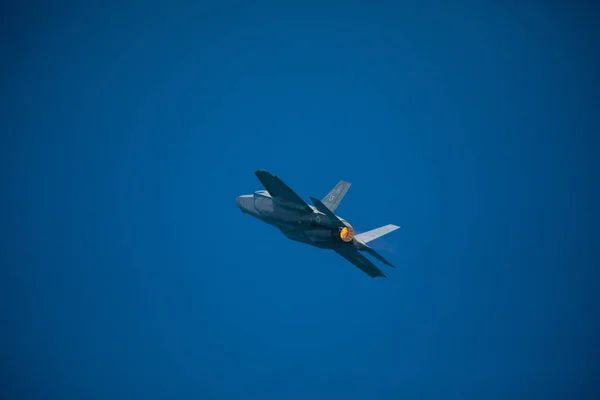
(377, 256)
(362, 262)
(373, 234)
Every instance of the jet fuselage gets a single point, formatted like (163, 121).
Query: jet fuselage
(316, 225)
(314, 229)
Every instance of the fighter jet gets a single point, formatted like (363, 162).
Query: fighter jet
(316, 225)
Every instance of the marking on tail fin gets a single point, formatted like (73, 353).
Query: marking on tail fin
(335, 195)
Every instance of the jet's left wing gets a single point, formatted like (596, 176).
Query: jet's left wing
(282, 192)
(362, 262)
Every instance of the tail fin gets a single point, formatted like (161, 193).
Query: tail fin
(373, 234)
(335, 196)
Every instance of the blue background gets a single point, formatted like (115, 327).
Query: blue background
(129, 129)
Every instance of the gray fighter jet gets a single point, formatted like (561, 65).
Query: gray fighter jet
(315, 225)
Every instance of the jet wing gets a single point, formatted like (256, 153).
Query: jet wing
(362, 262)
(282, 192)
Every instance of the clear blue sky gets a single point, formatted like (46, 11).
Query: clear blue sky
(129, 129)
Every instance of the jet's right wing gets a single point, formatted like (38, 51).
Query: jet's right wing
(362, 262)
(282, 192)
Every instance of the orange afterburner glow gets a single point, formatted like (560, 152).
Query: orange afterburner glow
(344, 233)
(347, 233)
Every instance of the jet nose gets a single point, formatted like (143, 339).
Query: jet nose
(243, 202)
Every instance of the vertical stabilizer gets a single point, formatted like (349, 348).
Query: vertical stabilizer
(335, 196)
